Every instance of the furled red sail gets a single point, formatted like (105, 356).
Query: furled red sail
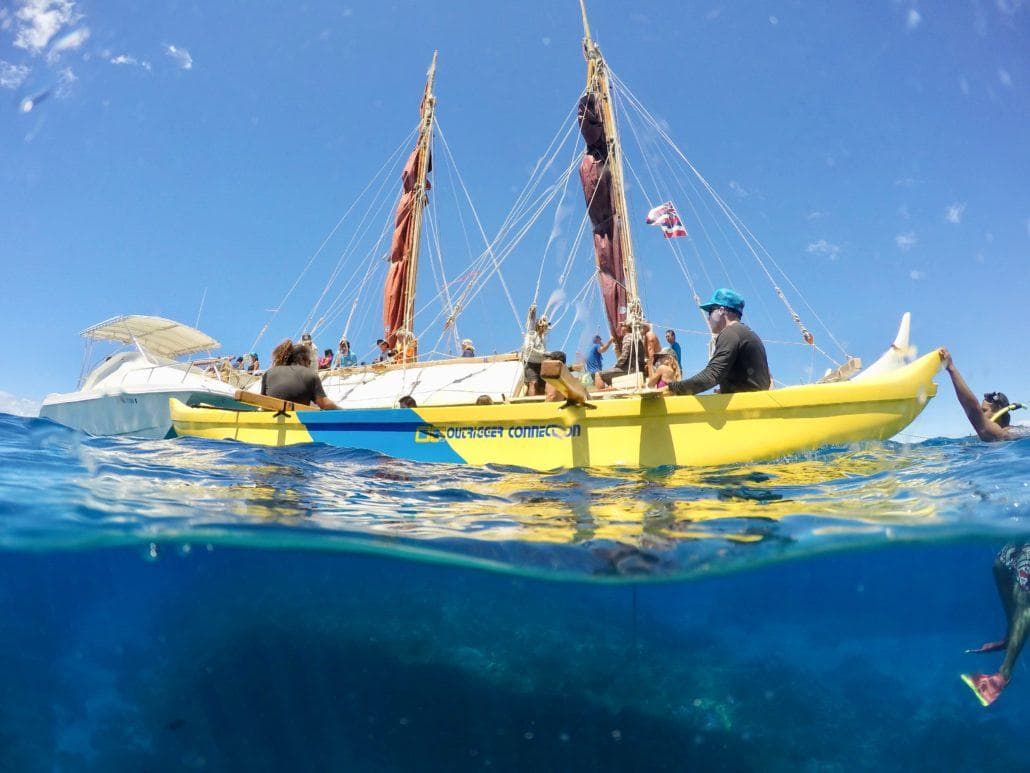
(394, 293)
(398, 286)
(596, 177)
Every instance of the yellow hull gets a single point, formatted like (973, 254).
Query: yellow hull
(648, 430)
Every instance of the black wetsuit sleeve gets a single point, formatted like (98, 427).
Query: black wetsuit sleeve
(718, 366)
(264, 386)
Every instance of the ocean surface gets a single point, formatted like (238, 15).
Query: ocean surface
(196, 605)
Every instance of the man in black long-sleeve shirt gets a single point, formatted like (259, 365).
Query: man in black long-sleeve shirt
(738, 363)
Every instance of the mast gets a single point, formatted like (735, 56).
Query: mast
(597, 87)
(399, 290)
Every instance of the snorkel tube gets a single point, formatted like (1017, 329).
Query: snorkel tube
(1007, 409)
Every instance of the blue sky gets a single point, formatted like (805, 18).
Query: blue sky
(156, 152)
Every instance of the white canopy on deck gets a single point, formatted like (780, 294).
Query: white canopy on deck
(157, 335)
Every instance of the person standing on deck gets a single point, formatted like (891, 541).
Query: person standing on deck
(632, 355)
(652, 347)
(308, 341)
(1012, 577)
(595, 361)
(739, 363)
(670, 339)
(991, 417)
(534, 351)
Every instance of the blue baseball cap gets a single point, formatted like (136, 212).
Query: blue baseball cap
(725, 297)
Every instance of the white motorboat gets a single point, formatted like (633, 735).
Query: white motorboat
(127, 392)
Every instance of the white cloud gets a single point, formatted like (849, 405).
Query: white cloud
(1009, 7)
(906, 182)
(18, 406)
(69, 42)
(38, 21)
(823, 247)
(815, 215)
(913, 19)
(953, 212)
(181, 56)
(12, 75)
(65, 79)
(738, 189)
(906, 241)
(916, 275)
(5, 19)
(131, 61)
(773, 20)
(1005, 77)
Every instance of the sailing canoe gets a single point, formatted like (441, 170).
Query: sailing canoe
(641, 430)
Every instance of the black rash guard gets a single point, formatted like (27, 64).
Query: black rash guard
(738, 364)
(296, 383)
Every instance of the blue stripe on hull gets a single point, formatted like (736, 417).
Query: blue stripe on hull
(389, 431)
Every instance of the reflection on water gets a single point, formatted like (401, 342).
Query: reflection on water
(66, 489)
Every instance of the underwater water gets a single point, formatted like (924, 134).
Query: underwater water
(196, 605)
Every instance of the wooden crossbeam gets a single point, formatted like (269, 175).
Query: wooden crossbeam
(270, 403)
(557, 375)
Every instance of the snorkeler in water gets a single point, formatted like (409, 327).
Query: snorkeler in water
(1012, 576)
(992, 416)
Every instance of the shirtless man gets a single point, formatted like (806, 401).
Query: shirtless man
(991, 416)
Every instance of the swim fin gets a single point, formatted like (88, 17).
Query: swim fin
(991, 646)
(986, 687)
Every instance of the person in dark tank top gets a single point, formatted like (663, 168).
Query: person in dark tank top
(291, 377)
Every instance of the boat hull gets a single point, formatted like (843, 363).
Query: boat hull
(130, 413)
(649, 430)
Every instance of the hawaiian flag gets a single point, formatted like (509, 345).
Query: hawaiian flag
(665, 215)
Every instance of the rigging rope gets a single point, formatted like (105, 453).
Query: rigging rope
(332, 232)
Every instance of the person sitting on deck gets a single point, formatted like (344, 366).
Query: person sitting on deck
(665, 371)
(990, 418)
(407, 401)
(255, 363)
(326, 360)
(386, 354)
(1012, 577)
(344, 358)
(467, 349)
(551, 394)
(293, 379)
(484, 400)
(738, 363)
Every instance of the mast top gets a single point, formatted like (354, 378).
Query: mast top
(586, 24)
(431, 73)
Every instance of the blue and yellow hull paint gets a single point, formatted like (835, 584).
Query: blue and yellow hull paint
(648, 430)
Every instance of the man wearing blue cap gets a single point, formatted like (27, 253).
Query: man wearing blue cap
(738, 363)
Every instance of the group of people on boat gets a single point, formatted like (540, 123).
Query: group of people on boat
(738, 362)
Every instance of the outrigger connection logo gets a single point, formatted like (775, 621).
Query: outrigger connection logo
(430, 434)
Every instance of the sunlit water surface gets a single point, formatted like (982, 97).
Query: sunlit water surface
(186, 604)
